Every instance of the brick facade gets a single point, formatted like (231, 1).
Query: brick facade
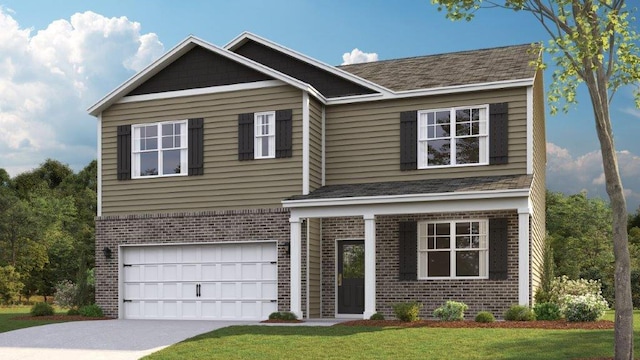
(490, 295)
(203, 227)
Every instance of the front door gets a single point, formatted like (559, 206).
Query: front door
(350, 277)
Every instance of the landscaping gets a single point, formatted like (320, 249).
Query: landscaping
(18, 317)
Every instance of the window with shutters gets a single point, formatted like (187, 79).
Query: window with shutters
(453, 137)
(453, 249)
(159, 149)
(265, 135)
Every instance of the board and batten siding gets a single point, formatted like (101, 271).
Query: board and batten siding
(538, 187)
(363, 139)
(315, 144)
(227, 183)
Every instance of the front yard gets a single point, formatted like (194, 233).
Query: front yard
(8, 321)
(301, 342)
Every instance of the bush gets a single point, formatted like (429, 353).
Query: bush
(547, 311)
(585, 307)
(65, 295)
(377, 316)
(10, 284)
(73, 312)
(92, 310)
(562, 286)
(282, 315)
(519, 313)
(451, 311)
(407, 311)
(485, 317)
(42, 309)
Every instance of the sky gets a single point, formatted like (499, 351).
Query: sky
(57, 58)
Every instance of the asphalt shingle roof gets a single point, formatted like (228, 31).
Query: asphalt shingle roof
(432, 186)
(458, 68)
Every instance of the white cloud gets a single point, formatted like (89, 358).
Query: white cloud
(572, 174)
(49, 77)
(356, 56)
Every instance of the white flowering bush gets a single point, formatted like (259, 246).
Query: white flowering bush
(562, 287)
(65, 295)
(589, 307)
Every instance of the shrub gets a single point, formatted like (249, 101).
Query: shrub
(73, 311)
(42, 309)
(282, 315)
(588, 307)
(547, 311)
(451, 311)
(10, 284)
(562, 286)
(485, 317)
(377, 316)
(519, 313)
(407, 311)
(92, 310)
(65, 295)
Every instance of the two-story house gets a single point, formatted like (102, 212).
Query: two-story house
(239, 180)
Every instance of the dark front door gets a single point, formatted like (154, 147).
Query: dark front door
(350, 277)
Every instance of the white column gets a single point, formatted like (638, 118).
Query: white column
(369, 266)
(296, 267)
(523, 256)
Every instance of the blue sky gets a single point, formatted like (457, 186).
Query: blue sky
(58, 58)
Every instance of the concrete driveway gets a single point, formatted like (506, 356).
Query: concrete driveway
(101, 339)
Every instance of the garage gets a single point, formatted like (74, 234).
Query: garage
(225, 281)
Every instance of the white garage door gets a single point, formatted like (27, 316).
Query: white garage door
(214, 282)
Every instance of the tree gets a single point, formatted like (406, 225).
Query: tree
(592, 42)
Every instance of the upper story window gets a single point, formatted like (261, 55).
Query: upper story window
(453, 249)
(159, 149)
(265, 135)
(453, 137)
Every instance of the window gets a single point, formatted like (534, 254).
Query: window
(160, 149)
(453, 137)
(265, 135)
(453, 249)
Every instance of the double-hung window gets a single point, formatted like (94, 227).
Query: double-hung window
(453, 249)
(453, 137)
(265, 135)
(159, 149)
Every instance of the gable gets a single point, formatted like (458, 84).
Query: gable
(328, 84)
(198, 68)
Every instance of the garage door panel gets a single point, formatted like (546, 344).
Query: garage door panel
(249, 271)
(170, 291)
(150, 272)
(269, 290)
(269, 271)
(132, 291)
(150, 291)
(189, 309)
(209, 272)
(228, 291)
(132, 273)
(170, 309)
(190, 254)
(188, 290)
(208, 290)
(170, 272)
(228, 271)
(170, 254)
(210, 254)
(189, 273)
(152, 255)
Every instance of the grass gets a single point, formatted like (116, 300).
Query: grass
(302, 342)
(7, 323)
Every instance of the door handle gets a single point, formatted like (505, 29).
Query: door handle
(340, 279)
(197, 290)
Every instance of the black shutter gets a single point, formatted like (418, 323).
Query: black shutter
(408, 250)
(124, 152)
(408, 140)
(499, 133)
(196, 147)
(245, 136)
(498, 255)
(283, 133)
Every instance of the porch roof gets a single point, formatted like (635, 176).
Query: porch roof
(430, 186)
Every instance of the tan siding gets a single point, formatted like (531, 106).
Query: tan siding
(538, 195)
(315, 144)
(227, 183)
(363, 139)
(314, 259)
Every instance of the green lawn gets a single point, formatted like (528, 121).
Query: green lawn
(301, 342)
(8, 324)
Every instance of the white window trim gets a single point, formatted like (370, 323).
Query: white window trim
(184, 166)
(452, 111)
(452, 250)
(257, 150)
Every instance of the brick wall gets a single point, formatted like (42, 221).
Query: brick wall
(490, 295)
(203, 227)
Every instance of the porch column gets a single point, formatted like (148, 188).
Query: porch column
(523, 256)
(296, 267)
(369, 266)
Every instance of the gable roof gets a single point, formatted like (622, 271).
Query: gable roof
(450, 69)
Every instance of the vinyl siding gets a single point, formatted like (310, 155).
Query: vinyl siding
(313, 265)
(227, 183)
(363, 139)
(315, 144)
(538, 218)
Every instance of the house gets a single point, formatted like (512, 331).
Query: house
(239, 180)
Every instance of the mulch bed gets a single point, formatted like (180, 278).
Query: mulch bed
(60, 318)
(280, 321)
(559, 324)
